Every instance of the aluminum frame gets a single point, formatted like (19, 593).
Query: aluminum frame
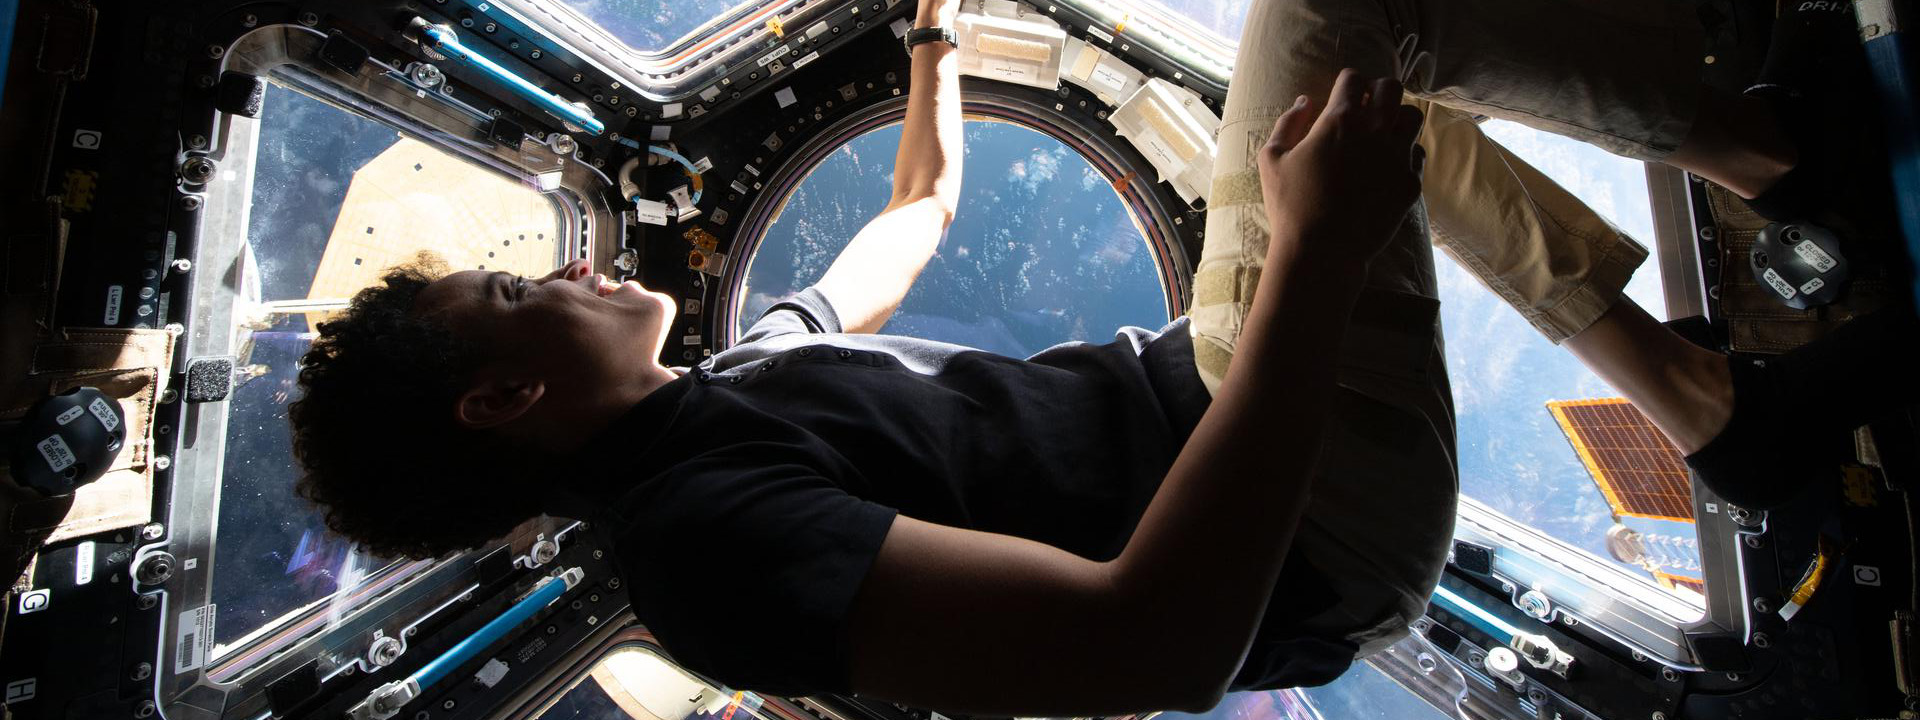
(399, 598)
(683, 67)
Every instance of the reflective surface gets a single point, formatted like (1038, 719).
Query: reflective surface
(333, 203)
(632, 683)
(1223, 17)
(650, 25)
(1513, 455)
(1042, 251)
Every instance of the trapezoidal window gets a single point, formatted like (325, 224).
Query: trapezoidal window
(653, 26)
(1042, 251)
(633, 682)
(1541, 438)
(336, 199)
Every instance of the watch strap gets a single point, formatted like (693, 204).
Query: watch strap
(917, 36)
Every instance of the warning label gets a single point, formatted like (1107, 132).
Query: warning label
(104, 412)
(59, 456)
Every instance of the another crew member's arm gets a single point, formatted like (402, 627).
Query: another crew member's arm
(989, 624)
(869, 279)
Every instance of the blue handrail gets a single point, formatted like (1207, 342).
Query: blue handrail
(542, 596)
(385, 701)
(444, 41)
(1487, 622)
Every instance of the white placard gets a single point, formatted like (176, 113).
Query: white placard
(193, 639)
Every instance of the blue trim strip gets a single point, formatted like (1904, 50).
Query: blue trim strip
(9, 10)
(1890, 57)
(447, 43)
(487, 635)
(1486, 621)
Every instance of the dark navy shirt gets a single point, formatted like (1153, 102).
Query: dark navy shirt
(763, 482)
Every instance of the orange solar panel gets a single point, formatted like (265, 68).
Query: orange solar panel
(1639, 471)
(1680, 581)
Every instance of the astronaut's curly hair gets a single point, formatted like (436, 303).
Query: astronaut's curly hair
(374, 429)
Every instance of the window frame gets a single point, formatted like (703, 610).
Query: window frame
(1151, 206)
(688, 63)
(623, 633)
(407, 593)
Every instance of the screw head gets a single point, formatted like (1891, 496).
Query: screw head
(1669, 675)
(384, 651)
(428, 75)
(1761, 604)
(153, 531)
(1657, 715)
(190, 203)
(156, 569)
(1708, 233)
(1752, 541)
(545, 551)
(146, 710)
(309, 19)
(197, 170)
(1760, 640)
(162, 462)
(146, 602)
(250, 20)
(216, 52)
(1536, 604)
(613, 583)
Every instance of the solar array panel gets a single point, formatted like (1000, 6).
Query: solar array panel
(1639, 471)
(1676, 582)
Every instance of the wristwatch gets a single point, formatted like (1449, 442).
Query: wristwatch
(926, 35)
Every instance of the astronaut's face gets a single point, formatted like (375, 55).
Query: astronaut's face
(569, 328)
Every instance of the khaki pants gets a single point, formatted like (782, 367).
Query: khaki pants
(1620, 74)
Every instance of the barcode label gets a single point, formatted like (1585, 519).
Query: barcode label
(193, 641)
(183, 655)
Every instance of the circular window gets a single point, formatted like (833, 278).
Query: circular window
(1042, 250)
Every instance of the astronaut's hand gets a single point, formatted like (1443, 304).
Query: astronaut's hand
(1338, 178)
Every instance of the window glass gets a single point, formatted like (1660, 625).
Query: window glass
(633, 683)
(1224, 17)
(1514, 456)
(336, 199)
(1043, 250)
(1363, 693)
(652, 25)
